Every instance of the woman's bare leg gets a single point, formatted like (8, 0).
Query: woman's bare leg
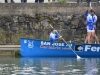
(89, 37)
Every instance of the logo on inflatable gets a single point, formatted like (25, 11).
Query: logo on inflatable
(30, 44)
(79, 48)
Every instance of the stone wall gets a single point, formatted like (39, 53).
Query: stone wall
(7, 53)
(32, 21)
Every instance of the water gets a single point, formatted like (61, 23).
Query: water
(49, 66)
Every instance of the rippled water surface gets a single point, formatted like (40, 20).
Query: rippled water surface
(49, 66)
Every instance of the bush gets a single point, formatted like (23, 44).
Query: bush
(17, 53)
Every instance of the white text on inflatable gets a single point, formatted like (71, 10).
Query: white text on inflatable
(92, 48)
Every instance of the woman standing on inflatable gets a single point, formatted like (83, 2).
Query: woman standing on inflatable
(91, 25)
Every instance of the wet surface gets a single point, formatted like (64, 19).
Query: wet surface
(49, 66)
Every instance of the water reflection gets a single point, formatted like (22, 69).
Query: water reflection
(49, 66)
(91, 66)
(61, 66)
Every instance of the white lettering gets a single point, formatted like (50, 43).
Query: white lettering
(98, 49)
(92, 48)
(45, 43)
(87, 47)
(58, 44)
(69, 45)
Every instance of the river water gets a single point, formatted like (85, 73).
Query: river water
(49, 66)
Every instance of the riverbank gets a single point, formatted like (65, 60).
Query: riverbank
(10, 50)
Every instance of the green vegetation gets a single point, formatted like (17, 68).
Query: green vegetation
(17, 53)
(62, 1)
(40, 17)
(5, 17)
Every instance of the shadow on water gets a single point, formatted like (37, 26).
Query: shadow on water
(49, 66)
